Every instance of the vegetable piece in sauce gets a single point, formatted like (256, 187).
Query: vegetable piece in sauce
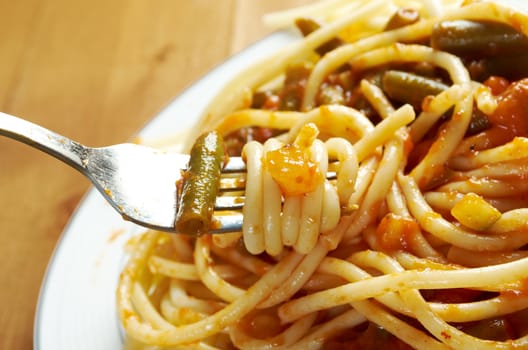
(410, 88)
(307, 26)
(477, 39)
(474, 212)
(292, 93)
(200, 185)
(292, 169)
(291, 166)
(396, 233)
(235, 141)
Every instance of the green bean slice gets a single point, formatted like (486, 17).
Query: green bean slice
(200, 185)
(477, 39)
(410, 88)
(307, 26)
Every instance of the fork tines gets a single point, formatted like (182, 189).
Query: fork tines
(232, 186)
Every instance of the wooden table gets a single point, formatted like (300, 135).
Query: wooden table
(95, 71)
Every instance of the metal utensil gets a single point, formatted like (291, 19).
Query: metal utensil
(139, 182)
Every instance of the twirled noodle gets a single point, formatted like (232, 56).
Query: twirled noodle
(420, 238)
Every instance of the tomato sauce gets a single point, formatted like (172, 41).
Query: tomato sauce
(396, 233)
(510, 118)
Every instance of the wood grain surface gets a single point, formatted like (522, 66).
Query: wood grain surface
(95, 71)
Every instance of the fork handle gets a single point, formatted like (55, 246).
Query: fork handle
(62, 148)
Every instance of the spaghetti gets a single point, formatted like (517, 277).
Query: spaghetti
(421, 240)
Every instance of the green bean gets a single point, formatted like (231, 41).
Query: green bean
(477, 39)
(307, 26)
(200, 185)
(402, 17)
(410, 88)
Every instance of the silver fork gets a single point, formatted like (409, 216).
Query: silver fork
(139, 182)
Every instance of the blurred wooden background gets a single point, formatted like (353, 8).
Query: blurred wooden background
(95, 71)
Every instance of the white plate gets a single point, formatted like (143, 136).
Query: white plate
(76, 308)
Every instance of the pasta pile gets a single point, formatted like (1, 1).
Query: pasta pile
(420, 239)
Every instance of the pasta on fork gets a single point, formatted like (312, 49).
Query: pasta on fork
(421, 109)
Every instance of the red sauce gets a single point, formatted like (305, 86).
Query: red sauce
(446, 335)
(396, 233)
(418, 152)
(509, 120)
(262, 324)
(497, 84)
(510, 117)
(452, 296)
